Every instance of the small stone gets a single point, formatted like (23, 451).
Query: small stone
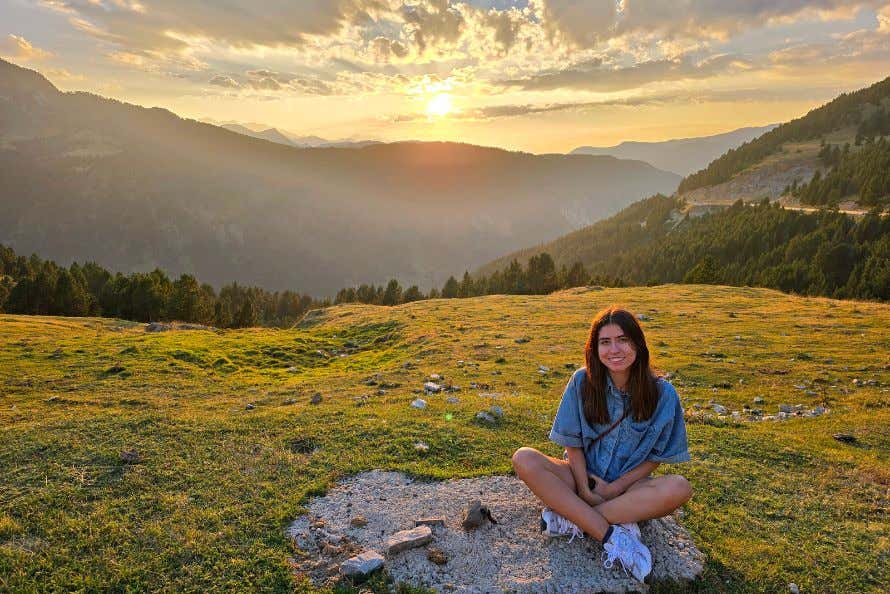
(522, 340)
(496, 411)
(131, 457)
(543, 369)
(486, 418)
(436, 556)
(431, 522)
(758, 400)
(435, 377)
(289, 401)
(419, 404)
(362, 564)
(476, 515)
(358, 522)
(250, 406)
(452, 400)
(819, 410)
(432, 387)
(792, 587)
(643, 317)
(408, 539)
(720, 409)
(845, 437)
(331, 550)
(786, 408)
(421, 447)
(316, 398)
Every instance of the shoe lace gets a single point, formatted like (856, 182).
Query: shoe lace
(565, 526)
(612, 554)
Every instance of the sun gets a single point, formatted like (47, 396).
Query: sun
(439, 106)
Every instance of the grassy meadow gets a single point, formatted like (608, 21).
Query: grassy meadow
(217, 481)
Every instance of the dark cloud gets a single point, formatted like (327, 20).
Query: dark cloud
(238, 23)
(385, 48)
(593, 76)
(432, 21)
(587, 22)
(506, 25)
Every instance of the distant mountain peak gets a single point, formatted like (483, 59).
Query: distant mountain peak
(679, 155)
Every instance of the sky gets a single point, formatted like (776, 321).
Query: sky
(532, 75)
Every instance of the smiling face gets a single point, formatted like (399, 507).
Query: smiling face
(616, 351)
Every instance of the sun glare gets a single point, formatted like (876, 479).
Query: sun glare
(439, 106)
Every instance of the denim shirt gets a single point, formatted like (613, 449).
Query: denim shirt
(661, 438)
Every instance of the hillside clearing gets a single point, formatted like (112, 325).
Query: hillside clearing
(206, 504)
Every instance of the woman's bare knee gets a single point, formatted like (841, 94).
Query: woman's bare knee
(679, 489)
(524, 459)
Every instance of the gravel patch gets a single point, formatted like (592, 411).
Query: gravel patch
(511, 556)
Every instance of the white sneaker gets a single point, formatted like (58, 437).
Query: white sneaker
(634, 529)
(624, 546)
(553, 524)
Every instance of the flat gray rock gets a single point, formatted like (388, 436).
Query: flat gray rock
(509, 556)
(362, 564)
(408, 539)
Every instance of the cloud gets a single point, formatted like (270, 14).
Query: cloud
(225, 81)
(584, 23)
(165, 25)
(19, 49)
(592, 75)
(384, 48)
(432, 21)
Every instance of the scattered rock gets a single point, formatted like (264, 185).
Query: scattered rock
(522, 340)
(408, 539)
(431, 387)
(436, 556)
(431, 522)
(758, 400)
(496, 411)
(158, 327)
(786, 408)
(543, 369)
(486, 418)
(792, 587)
(362, 565)
(250, 406)
(476, 515)
(419, 404)
(289, 401)
(643, 317)
(452, 400)
(421, 446)
(720, 409)
(845, 437)
(358, 522)
(130, 457)
(316, 398)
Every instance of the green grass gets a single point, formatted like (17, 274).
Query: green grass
(206, 507)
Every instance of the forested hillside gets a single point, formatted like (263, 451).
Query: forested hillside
(824, 253)
(853, 110)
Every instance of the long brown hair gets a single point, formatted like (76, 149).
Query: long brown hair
(641, 385)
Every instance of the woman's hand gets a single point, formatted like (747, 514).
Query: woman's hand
(603, 489)
(591, 498)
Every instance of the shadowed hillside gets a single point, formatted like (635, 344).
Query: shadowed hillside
(88, 178)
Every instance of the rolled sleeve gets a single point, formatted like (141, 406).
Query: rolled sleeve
(566, 430)
(671, 445)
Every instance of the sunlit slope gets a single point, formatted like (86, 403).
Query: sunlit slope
(788, 154)
(205, 508)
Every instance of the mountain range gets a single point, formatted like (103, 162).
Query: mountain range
(134, 188)
(683, 155)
